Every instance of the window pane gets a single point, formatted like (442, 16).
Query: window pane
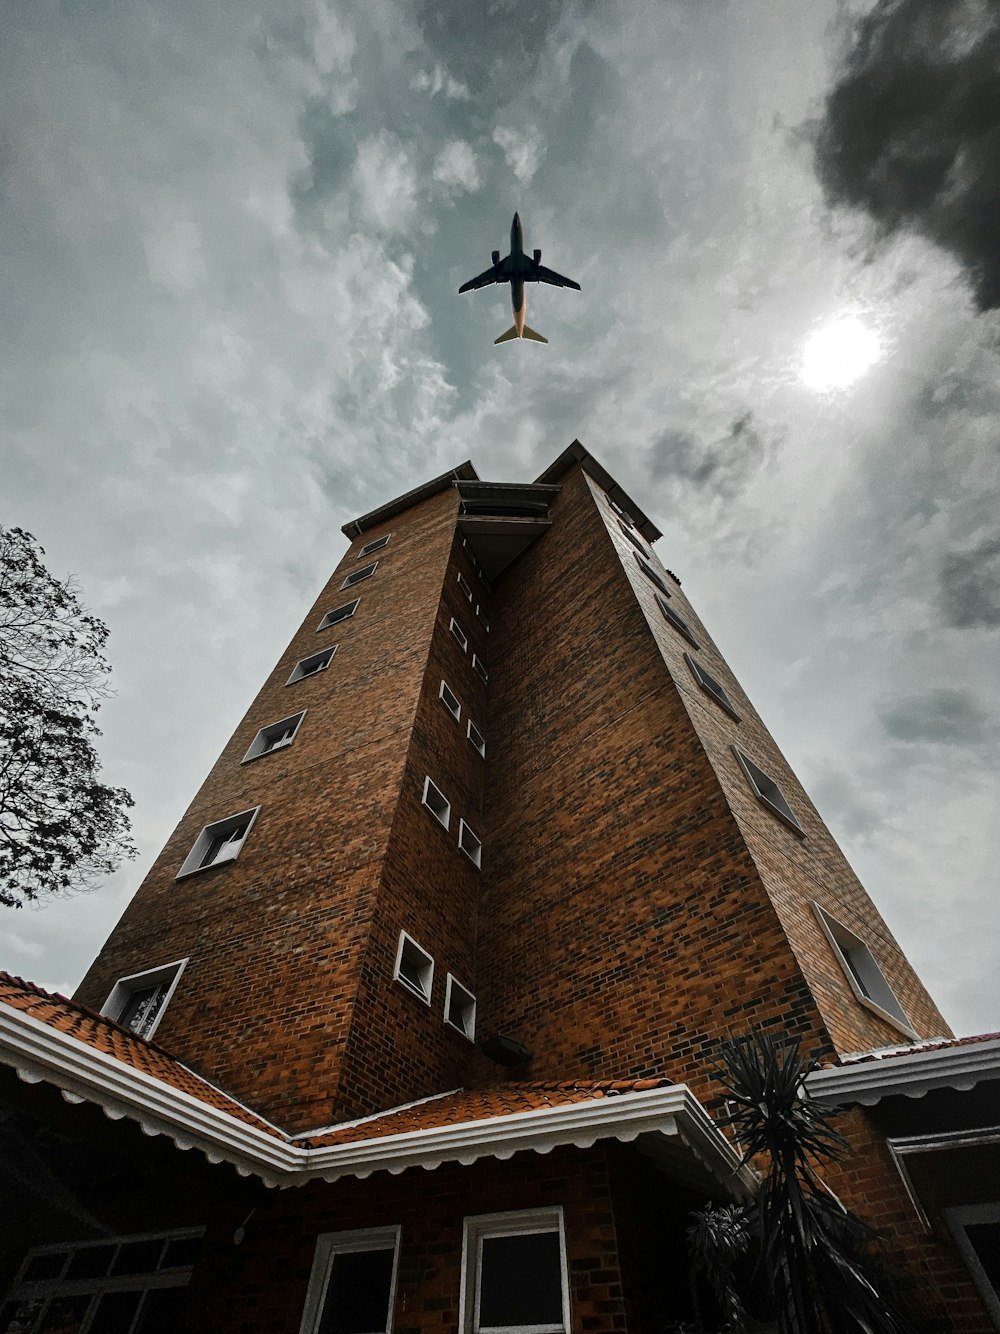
(138, 1257)
(357, 1297)
(985, 1239)
(64, 1315)
(47, 1265)
(180, 1251)
(90, 1262)
(116, 1313)
(162, 1312)
(19, 1317)
(520, 1280)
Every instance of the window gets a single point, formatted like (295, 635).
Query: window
(352, 1287)
(677, 621)
(138, 1002)
(376, 545)
(470, 844)
(476, 737)
(449, 701)
(482, 616)
(976, 1229)
(414, 967)
(365, 573)
(459, 634)
(624, 513)
(460, 1008)
(274, 737)
(316, 662)
(338, 614)
(436, 802)
(650, 573)
(463, 584)
(219, 842)
(711, 686)
(863, 972)
(480, 667)
(514, 1274)
(118, 1283)
(634, 539)
(766, 790)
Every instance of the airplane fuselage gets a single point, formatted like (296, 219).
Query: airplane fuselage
(517, 301)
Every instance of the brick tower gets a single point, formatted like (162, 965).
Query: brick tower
(500, 835)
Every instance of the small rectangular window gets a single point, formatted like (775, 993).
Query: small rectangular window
(459, 634)
(863, 971)
(219, 842)
(274, 736)
(464, 585)
(138, 1002)
(365, 573)
(377, 545)
(414, 967)
(477, 738)
(676, 620)
(470, 844)
(316, 662)
(482, 616)
(634, 538)
(436, 802)
(650, 573)
(352, 1287)
(623, 513)
(711, 686)
(480, 667)
(449, 701)
(460, 1008)
(338, 614)
(515, 1276)
(767, 791)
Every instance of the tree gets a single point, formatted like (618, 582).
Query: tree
(61, 828)
(813, 1254)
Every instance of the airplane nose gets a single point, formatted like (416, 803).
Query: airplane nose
(516, 219)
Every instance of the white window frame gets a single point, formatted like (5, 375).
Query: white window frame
(464, 585)
(342, 613)
(478, 740)
(427, 961)
(651, 574)
(259, 746)
(635, 539)
(331, 1244)
(865, 975)
(461, 638)
(302, 670)
(712, 690)
(430, 786)
(508, 1224)
(217, 829)
(675, 619)
(957, 1217)
(787, 815)
(359, 576)
(466, 1002)
(375, 545)
(452, 704)
(480, 668)
(126, 987)
(483, 617)
(466, 835)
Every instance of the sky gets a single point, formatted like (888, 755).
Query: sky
(231, 238)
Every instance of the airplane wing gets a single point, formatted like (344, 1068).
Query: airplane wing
(492, 275)
(544, 275)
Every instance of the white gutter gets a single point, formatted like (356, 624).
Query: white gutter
(910, 1075)
(39, 1052)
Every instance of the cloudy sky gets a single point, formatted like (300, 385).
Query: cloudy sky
(231, 237)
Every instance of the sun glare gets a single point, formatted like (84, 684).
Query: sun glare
(839, 353)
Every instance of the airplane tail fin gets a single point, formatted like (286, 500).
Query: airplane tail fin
(535, 337)
(506, 337)
(528, 333)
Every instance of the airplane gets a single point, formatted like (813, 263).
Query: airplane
(517, 269)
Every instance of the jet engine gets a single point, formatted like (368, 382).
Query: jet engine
(495, 256)
(538, 256)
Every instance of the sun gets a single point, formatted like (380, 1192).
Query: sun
(839, 353)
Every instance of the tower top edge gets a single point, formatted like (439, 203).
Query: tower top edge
(578, 453)
(465, 472)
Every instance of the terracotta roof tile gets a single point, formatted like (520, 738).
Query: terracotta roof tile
(932, 1044)
(104, 1035)
(468, 1105)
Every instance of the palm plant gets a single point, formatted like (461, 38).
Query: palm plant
(812, 1252)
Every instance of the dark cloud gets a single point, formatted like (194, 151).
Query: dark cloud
(723, 466)
(970, 586)
(911, 131)
(949, 717)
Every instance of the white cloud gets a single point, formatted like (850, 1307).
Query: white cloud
(386, 183)
(456, 166)
(438, 80)
(523, 149)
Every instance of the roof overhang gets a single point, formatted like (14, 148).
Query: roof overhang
(502, 519)
(577, 453)
(464, 472)
(667, 1122)
(907, 1074)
